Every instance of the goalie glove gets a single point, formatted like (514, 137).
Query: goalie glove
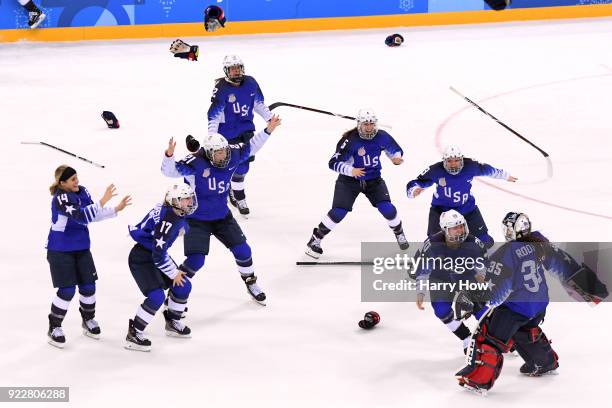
(181, 49)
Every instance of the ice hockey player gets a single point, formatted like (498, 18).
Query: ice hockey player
(443, 260)
(209, 171)
(235, 98)
(35, 15)
(68, 250)
(453, 178)
(357, 160)
(518, 302)
(153, 269)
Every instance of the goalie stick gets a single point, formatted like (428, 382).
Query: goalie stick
(66, 152)
(549, 165)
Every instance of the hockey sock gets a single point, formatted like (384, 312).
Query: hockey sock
(244, 260)
(29, 5)
(87, 301)
(329, 222)
(146, 311)
(195, 262)
(177, 299)
(60, 304)
(460, 330)
(389, 211)
(238, 186)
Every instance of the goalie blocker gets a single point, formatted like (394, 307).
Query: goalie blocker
(181, 49)
(585, 283)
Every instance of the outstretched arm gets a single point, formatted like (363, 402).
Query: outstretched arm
(416, 186)
(487, 170)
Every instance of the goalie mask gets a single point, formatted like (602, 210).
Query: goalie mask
(234, 76)
(367, 124)
(217, 150)
(452, 160)
(214, 18)
(182, 199)
(516, 226)
(454, 226)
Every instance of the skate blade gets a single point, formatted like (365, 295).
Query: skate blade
(42, 18)
(552, 373)
(312, 253)
(56, 344)
(177, 336)
(87, 333)
(245, 216)
(478, 391)
(260, 302)
(135, 347)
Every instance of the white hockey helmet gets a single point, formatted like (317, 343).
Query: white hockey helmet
(452, 152)
(451, 219)
(364, 116)
(215, 143)
(515, 226)
(233, 61)
(175, 198)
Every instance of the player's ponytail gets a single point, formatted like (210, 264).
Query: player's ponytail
(348, 132)
(58, 173)
(541, 244)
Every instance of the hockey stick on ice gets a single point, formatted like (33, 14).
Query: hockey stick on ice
(66, 152)
(317, 263)
(546, 155)
(338, 115)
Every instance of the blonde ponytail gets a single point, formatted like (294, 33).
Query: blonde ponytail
(58, 173)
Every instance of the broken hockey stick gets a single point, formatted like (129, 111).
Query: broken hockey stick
(338, 115)
(546, 155)
(66, 152)
(317, 263)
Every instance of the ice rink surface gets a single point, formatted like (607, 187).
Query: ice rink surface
(551, 81)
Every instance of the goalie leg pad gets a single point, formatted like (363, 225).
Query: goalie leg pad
(484, 360)
(534, 347)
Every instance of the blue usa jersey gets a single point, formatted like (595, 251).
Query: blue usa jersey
(454, 191)
(437, 261)
(354, 152)
(231, 111)
(70, 215)
(211, 184)
(517, 273)
(157, 232)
